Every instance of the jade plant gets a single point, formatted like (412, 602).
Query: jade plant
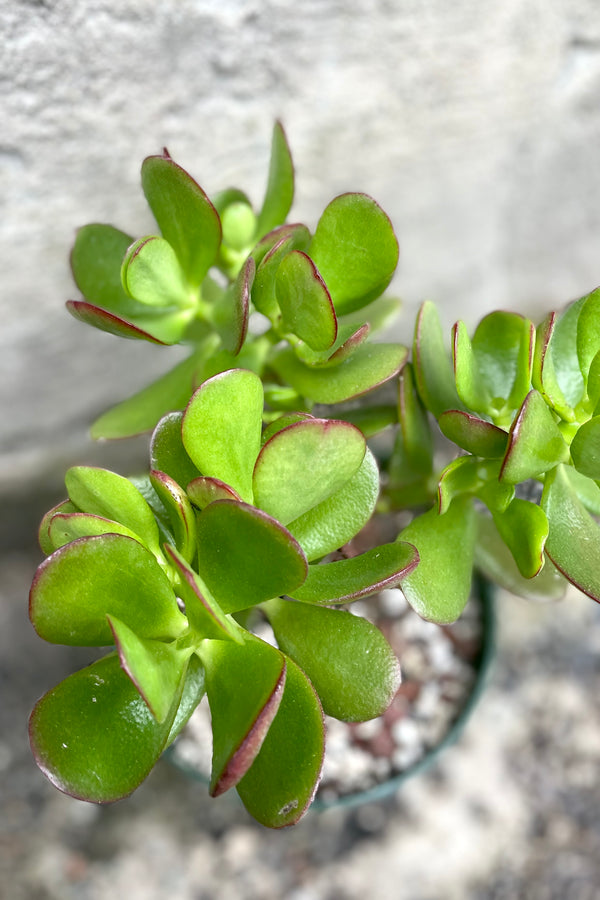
(260, 476)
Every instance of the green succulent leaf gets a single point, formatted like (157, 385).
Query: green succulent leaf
(349, 662)
(238, 221)
(245, 685)
(461, 476)
(185, 215)
(414, 424)
(439, 587)
(264, 292)
(335, 521)
(245, 556)
(588, 334)
(281, 782)
(182, 518)
(67, 527)
(523, 526)
(473, 434)
(563, 348)
(433, 371)
(143, 410)
(355, 250)
(304, 300)
(503, 351)
(367, 368)
(380, 315)
(280, 185)
(535, 443)
(221, 428)
(202, 610)
(193, 691)
(231, 319)
(46, 544)
(470, 385)
(351, 579)
(283, 422)
(76, 587)
(494, 559)
(543, 376)
(104, 493)
(166, 329)
(300, 240)
(96, 264)
(203, 490)
(372, 419)
(155, 667)
(93, 735)
(573, 542)
(167, 453)
(151, 274)
(305, 463)
(586, 489)
(585, 449)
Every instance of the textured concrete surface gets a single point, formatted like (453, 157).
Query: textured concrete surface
(476, 125)
(512, 812)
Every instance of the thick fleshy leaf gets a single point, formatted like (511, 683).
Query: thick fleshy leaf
(152, 275)
(264, 295)
(67, 527)
(350, 579)
(573, 542)
(588, 333)
(167, 453)
(193, 691)
(305, 463)
(351, 665)
(46, 545)
(543, 375)
(231, 316)
(221, 428)
(155, 667)
(593, 384)
(245, 685)
(524, 528)
(96, 260)
(585, 449)
(202, 610)
(185, 215)
(335, 521)
(461, 476)
(169, 393)
(503, 351)
(104, 493)
(117, 325)
(470, 386)
(203, 490)
(78, 585)
(280, 185)
(349, 339)
(181, 515)
(414, 424)
(372, 419)
(563, 348)
(93, 736)
(245, 556)
(439, 587)
(433, 371)
(586, 489)
(281, 782)
(473, 434)
(304, 300)
(380, 315)
(535, 443)
(300, 240)
(496, 562)
(283, 422)
(369, 367)
(356, 251)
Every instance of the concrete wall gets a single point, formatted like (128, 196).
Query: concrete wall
(475, 124)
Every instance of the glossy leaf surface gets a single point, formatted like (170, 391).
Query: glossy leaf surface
(335, 521)
(588, 333)
(245, 686)
(245, 556)
(355, 249)
(304, 300)
(281, 782)
(191, 695)
(185, 215)
(305, 463)
(503, 350)
(93, 736)
(573, 542)
(74, 589)
(347, 659)
(181, 514)
(433, 372)
(414, 425)
(535, 443)
(157, 331)
(152, 275)
(473, 434)
(350, 579)
(524, 528)
(46, 545)
(221, 428)
(543, 376)
(563, 348)
(203, 490)
(167, 453)
(280, 185)
(67, 527)
(585, 449)
(96, 261)
(439, 587)
(370, 366)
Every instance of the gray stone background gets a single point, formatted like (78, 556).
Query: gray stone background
(477, 126)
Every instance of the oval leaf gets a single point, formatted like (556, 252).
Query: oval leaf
(167, 453)
(433, 371)
(524, 528)
(179, 508)
(203, 491)
(535, 443)
(96, 261)
(473, 434)
(304, 300)
(152, 275)
(67, 527)
(585, 449)
(280, 185)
